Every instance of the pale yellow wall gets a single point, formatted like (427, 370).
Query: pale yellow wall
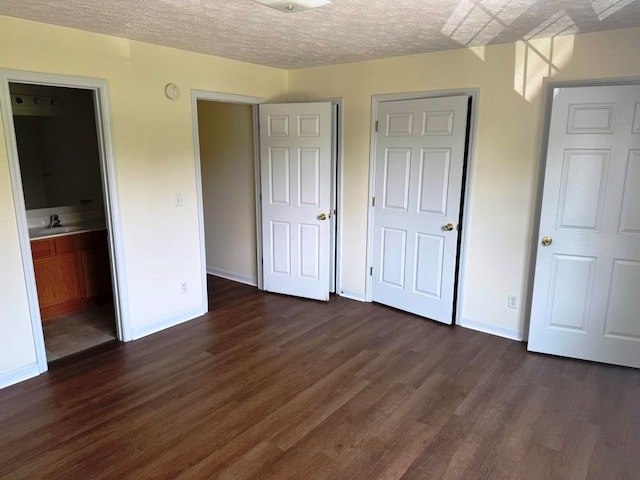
(17, 349)
(507, 153)
(152, 141)
(153, 149)
(228, 189)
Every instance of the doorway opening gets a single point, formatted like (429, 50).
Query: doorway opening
(227, 148)
(59, 140)
(59, 158)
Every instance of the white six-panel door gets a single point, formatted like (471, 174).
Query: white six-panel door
(420, 149)
(295, 164)
(586, 298)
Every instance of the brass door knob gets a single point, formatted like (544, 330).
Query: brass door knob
(546, 241)
(448, 227)
(322, 216)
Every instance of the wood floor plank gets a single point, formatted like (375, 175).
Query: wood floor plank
(479, 443)
(266, 386)
(495, 467)
(520, 431)
(247, 466)
(400, 453)
(572, 461)
(536, 464)
(434, 460)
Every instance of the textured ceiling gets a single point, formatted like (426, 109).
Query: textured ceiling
(344, 31)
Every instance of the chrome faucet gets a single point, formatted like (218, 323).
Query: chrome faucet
(54, 222)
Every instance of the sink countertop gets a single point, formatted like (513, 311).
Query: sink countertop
(39, 233)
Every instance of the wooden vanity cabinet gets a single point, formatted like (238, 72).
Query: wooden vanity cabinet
(96, 271)
(72, 271)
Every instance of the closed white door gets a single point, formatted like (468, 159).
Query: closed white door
(586, 296)
(295, 163)
(420, 150)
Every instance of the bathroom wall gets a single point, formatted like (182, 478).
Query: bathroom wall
(58, 149)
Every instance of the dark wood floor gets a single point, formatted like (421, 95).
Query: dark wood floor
(271, 387)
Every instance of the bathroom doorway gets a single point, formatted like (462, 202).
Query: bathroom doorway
(59, 157)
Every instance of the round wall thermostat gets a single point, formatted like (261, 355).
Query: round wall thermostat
(172, 91)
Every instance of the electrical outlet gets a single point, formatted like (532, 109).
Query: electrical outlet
(178, 200)
(184, 287)
(513, 301)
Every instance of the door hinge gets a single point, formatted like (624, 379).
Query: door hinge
(371, 271)
(377, 123)
(373, 201)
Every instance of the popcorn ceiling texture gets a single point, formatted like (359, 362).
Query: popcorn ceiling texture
(344, 31)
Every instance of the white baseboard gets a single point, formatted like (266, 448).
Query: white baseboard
(505, 332)
(137, 333)
(19, 375)
(236, 277)
(353, 295)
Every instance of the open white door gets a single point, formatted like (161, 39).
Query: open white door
(419, 162)
(295, 163)
(586, 296)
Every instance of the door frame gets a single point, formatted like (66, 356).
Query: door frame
(336, 180)
(100, 89)
(550, 88)
(210, 96)
(467, 175)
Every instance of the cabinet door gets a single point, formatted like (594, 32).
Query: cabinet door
(57, 280)
(41, 248)
(96, 269)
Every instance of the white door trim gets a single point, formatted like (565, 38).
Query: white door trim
(226, 98)
(112, 209)
(551, 87)
(258, 199)
(473, 94)
(337, 189)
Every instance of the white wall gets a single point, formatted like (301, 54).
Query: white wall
(154, 156)
(510, 78)
(228, 189)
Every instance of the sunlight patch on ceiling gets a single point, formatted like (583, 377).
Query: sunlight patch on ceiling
(604, 8)
(473, 24)
(559, 23)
